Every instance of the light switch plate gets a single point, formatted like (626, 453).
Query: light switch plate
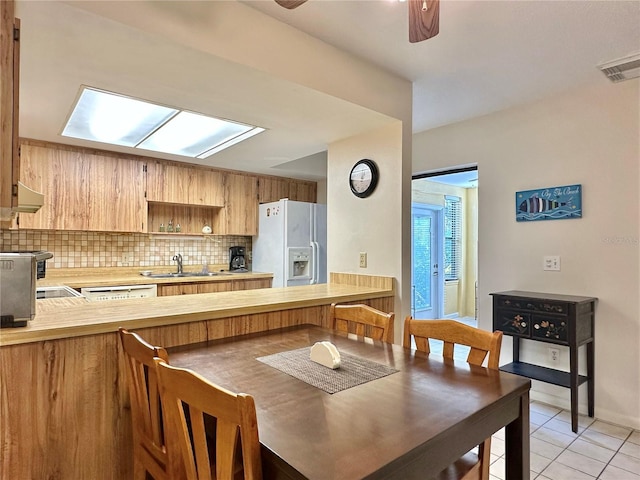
(551, 262)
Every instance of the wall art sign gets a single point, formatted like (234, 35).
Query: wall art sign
(551, 203)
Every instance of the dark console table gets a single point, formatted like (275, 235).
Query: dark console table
(559, 319)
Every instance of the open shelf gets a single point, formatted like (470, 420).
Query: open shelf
(543, 374)
(190, 217)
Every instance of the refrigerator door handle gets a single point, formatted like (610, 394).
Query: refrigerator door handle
(314, 263)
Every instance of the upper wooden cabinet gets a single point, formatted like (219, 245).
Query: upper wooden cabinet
(184, 184)
(240, 214)
(9, 95)
(96, 190)
(84, 190)
(272, 189)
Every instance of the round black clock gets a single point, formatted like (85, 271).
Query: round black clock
(363, 178)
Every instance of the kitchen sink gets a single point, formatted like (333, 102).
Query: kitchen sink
(184, 274)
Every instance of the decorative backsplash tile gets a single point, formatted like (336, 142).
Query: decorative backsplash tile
(98, 249)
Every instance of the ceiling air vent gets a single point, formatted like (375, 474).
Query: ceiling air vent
(622, 69)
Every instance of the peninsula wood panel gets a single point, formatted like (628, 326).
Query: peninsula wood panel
(65, 405)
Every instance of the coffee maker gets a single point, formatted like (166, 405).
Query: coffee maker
(237, 259)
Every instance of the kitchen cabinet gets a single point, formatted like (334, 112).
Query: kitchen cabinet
(212, 287)
(562, 320)
(93, 190)
(9, 96)
(251, 284)
(84, 190)
(272, 189)
(190, 217)
(184, 184)
(240, 214)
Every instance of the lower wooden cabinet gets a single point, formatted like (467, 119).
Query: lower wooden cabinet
(212, 287)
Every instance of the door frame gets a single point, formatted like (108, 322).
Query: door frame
(438, 252)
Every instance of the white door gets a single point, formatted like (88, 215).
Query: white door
(427, 284)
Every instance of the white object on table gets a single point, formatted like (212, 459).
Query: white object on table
(325, 353)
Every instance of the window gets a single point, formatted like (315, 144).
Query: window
(452, 237)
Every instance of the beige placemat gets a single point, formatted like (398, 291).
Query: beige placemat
(353, 370)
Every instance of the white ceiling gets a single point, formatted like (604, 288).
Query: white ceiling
(489, 55)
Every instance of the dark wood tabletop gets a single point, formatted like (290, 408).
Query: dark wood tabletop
(410, 424)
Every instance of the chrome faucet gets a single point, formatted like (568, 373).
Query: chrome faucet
(178, 258)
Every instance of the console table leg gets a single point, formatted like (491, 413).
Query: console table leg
(590, 378)
(573, 385)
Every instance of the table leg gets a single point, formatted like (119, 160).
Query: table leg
(591, 380)
(573, 386)
(517, 448)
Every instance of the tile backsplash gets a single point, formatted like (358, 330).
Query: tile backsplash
(101, 249)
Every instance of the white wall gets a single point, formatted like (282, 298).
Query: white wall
(374, 224)
(587, 136)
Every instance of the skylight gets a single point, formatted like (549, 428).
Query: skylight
(107, 117)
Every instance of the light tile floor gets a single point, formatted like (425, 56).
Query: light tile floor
(599, 450)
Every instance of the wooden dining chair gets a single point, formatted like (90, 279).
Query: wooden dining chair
(149, 452)
(362, 320)
(190, 456)
(473, 465)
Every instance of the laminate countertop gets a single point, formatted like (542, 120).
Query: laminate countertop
(79, 318)
(113, 276)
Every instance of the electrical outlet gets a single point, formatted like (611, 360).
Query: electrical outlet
(551, 262)
(363, 260)
(125, 259)
(554, 354)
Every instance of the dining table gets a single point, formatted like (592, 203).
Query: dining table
(387, 412)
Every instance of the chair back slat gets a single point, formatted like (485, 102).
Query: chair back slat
(146, 412)
(482, 344)
(236, 423)
(362, 320)
(451, 333)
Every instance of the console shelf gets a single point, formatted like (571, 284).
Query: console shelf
(542, 374)
(550, 318)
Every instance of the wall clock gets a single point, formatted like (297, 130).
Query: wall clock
(363, 178)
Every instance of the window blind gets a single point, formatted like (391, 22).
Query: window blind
(452, 237)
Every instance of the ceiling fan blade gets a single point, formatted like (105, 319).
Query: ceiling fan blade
(290, 4)
(423, 24)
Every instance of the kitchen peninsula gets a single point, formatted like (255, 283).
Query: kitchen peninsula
(64, 402)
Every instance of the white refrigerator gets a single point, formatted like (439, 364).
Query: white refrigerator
(291, 242)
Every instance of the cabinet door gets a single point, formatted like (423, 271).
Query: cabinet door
(115, 192)
(188, 184)
(240, 214)
(62, 177)
(272, 189)
(83, 191)
(251, 284)
(211, 287)
(512, 322)
(177, 289)
(303, 191)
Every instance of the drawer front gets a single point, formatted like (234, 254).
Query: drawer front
(553, 329)
(512, 323)
(533, 305)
